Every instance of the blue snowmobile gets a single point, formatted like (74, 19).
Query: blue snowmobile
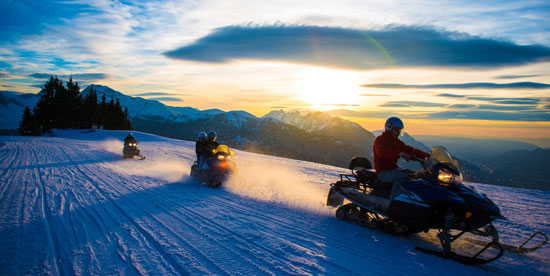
(432, 199)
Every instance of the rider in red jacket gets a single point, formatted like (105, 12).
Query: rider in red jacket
(388, 149)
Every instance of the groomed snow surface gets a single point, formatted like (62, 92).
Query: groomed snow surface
(69, 205)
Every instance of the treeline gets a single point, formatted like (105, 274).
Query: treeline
(62, 106)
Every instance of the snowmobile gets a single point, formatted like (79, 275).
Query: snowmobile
(131, 151)
(432, 199)
(216, 169)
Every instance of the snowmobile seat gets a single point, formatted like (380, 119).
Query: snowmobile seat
(382, 189)
(365, 176)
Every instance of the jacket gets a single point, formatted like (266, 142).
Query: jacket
(386, 152)
(209, 146)
(199, 147)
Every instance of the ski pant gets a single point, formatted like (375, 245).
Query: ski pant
(201, 162)
(395, 176)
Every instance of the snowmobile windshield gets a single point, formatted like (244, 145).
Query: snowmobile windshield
(448, 168)
(441, 155)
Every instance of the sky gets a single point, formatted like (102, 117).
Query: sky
(455, 68)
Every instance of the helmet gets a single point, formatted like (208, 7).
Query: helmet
(393, 122)
(202, 135)
(212, 135)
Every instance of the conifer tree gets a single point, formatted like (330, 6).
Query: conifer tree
(44, 111)
(27, 126)
(74, 101)
(90, 107)
(102, 110)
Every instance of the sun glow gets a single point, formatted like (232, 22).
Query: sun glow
(327, 89)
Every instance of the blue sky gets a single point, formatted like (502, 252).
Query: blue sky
(452, 65)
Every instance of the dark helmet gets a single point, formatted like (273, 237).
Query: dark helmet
(202, 135)
(394, 122)
(212, 135)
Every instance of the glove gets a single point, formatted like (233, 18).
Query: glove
(405, 156)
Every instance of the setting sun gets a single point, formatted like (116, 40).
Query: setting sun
(325, 89)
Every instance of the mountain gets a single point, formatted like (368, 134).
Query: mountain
(324, 124)
(318, 138)
(70, 205)
(522, 168)
(475, 149)
(12, 105)
(149, 109)
(326, 139)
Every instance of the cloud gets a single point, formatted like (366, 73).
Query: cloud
(278, 107)
(469, 112)
(505, 77)
(4, 75)
(412, 104)
(507, 107)
(529, 116)
(167, 99)
(506, 100)
(472, 85)
(155, 94)
(463, 106)
(358, 49)
(83, 76)
(451, 95)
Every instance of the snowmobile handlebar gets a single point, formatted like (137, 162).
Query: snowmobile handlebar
(417, 160)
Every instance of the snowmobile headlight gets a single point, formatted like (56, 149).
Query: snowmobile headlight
(448, 177)
(221, 157)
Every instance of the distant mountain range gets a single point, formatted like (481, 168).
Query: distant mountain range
(310, 136)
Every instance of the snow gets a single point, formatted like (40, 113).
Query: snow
(71, 205)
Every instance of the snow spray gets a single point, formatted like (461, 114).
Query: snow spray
(169, 170)
(277, 182)
(113, 146)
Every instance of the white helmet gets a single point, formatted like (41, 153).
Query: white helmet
(394, 122)
(202, 135)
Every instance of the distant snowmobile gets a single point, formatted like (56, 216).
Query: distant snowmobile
(433, 199)
(217, 169)
(130, 150)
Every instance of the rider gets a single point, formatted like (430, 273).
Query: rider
(209, 146)
(129, 139)
(387, 150)
(199, 145)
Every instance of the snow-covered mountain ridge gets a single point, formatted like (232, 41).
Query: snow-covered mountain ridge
(70, 205)
(324, 124)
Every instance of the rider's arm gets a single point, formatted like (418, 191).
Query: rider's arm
(412, 151)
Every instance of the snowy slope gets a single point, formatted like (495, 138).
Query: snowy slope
(70, 205)
(12, 106)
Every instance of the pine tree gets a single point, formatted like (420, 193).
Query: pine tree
(127, 124)
(44, 111)
(27, 126)
(90, 108)
(102, 111)
(74, 102)
(109, 115)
